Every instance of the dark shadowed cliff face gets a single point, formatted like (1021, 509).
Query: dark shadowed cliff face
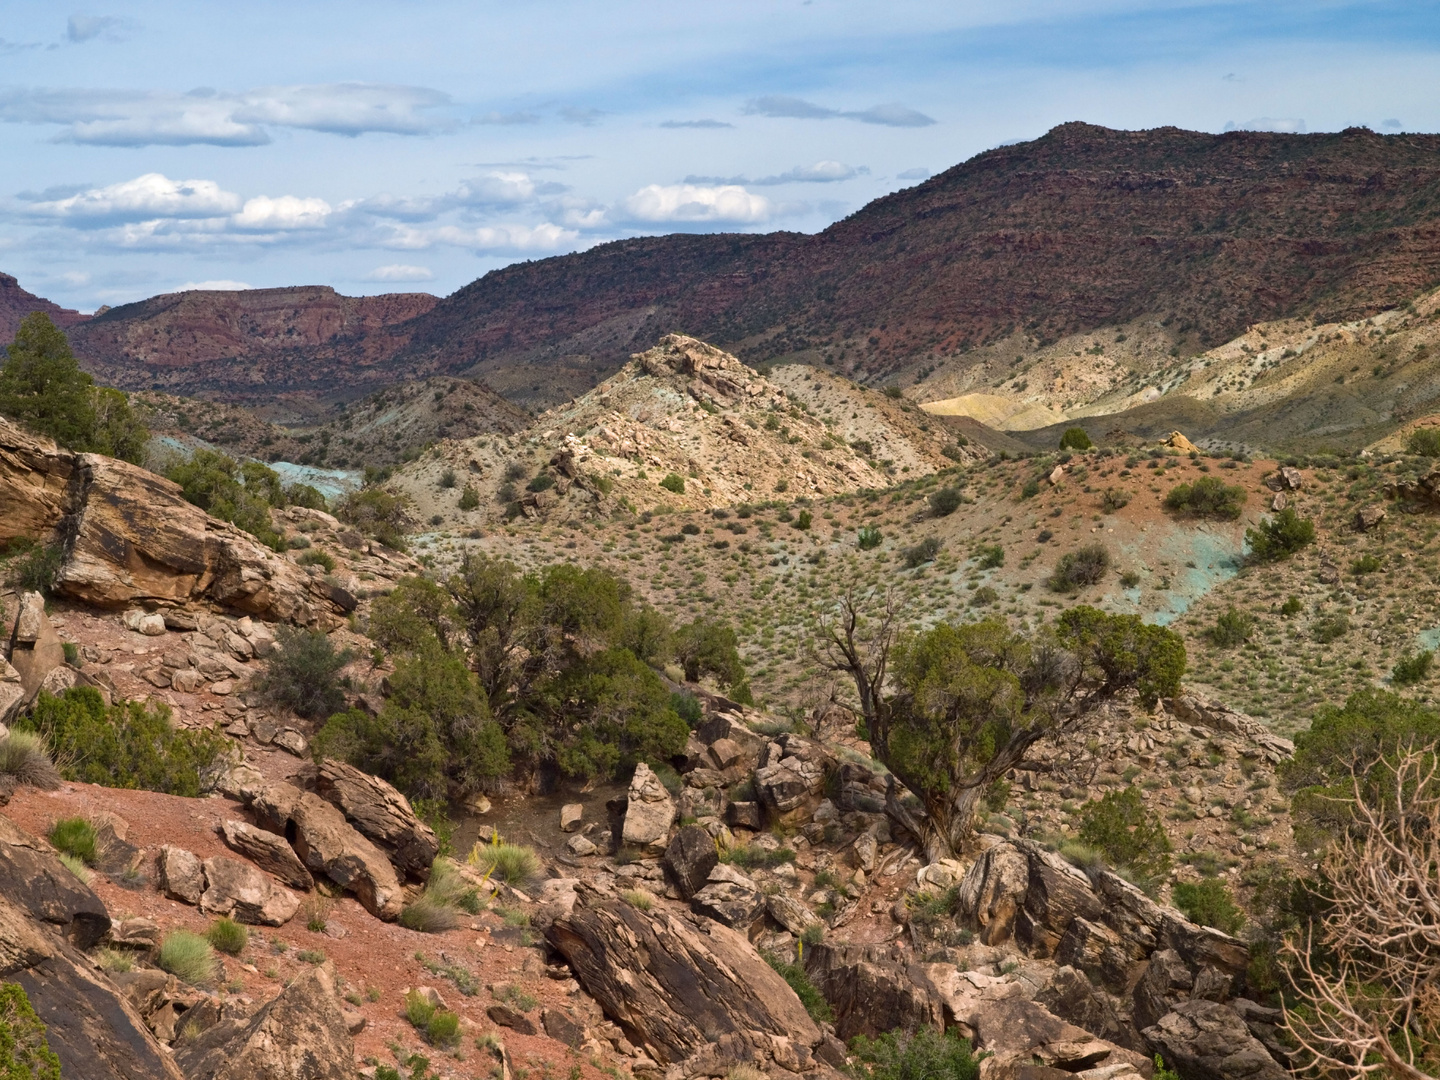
(1082, 228)
(16, 303)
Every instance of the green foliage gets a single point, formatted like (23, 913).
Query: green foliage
(1410, 670)
(621, 715)
(1280, 537)
(1077, 569)
(1031, 489)
(1075, 438)
(541, 482)
(446, 895)
(380, 513)
(946, 501)
(709, 647)
(1233, 627)
(1329, 628)
(1209, 903)
(687, 707)
(514, 864)
(1161, 1072)
(227, 936)
(42, 387)
(38, 568)
(316, 557)
(804, 520)
(925, 1055)
(24, 1052)
(439, 1027)
(1207, 497)
(305, 496)
(75, 836)
(674, 482)
(124, 745)
(1126, 833)
(226, 489)
(1365, 564)
(1117, 652)
(447, 478)
(303, 673)
(1291, 607)
(919, 554)
(990, 556)
(1425, 442)
(1114, 499)
(469, 498)
(795, 976)
(869, 538)
(756, 858)
(189, 957)
(23, 756)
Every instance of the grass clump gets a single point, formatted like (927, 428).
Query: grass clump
(76, 837)
(1280, 537)
(439, 1027)
(1232, 628)
(315, 557)
(227, 936)
(77, 867)
(189, 957)
(1077, 569)
(1127, 834)
(869, 538)
(926, 1055)
(1413, 669)
(24, 1052)
(1207, 497)
(753, 858)
(1209, 903)
(638, 899)
(795, 976)
(446, 895)
(510, 863)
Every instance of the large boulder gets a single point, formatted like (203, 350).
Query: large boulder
(692, 992)
(32, 877)
(12, 692)
(34, 649)
(182, 876)
(239, 890)
(267, 851)
(992, 892)
(649, 812)
(382, 815)
(34, 484)
(733, 903)
(1204, 1040)
(690, 858)
(300, 1035)
(328, 844)
(791, 779)
(873, 989)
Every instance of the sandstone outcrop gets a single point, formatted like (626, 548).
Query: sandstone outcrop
(381, 814)
(1204, 1040)
(649, 812)
(34, 649)
(130, 538)
(693, 993)
(690, 858)
(241, 891)
(267, 851)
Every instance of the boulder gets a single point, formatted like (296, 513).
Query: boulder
(1204, 1040)
(1166, 979)
(731, 903)
(789, 783)
(873, 988)
(649, 812)
(992, 892)
(1108, 959)
(579, 844)
(1019, 1031)
(301, 1035)
(12, 692)
(34, 484)
(791, 914)
(239, 890)
(34, 649)
(690, 991)
(32, 877)
(745, 815)
(690, 857)
(327, 844)
(571, 816)
(182, 876)
(563, 1028)
(513, 1019)
(381, 814)
(267, 851)
(1057, 893)
(1368, 517)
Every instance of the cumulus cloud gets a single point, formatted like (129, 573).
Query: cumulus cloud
(400, 272)
(517, 239)
(1283, 125)
(264, 214)
(206, 116)
(822, 172)
(703, 124)
(219, 285)
(150, 196)
(891, 114)
(494, 189)
(728, 204)
(918, 173)
(82, 28)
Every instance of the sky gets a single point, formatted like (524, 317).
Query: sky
(149, 147)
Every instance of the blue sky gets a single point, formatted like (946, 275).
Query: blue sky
(151, 146)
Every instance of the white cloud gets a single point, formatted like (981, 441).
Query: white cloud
(545, 237)
(891, 114)
(221, 285)
(152, 195)
(727, 204)
(400, 272)
(919, 173)
(81, 28)
(1283, 125)
(822, 172)
(206, 116)
(265, 214)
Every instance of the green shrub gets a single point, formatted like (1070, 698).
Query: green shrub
(447, 479)
(382, 514)
(708, 646)
(1079, 568)
(1366, 564)
(23, 756)
(125, 745)
(241, 494)
(1210, 904)
(674, 482)
(25, 1053)
(469, 498)
(1232, 628)
(542, 482)
(1413, 669)
(926, 1055)
(75, 836)
(1425, 442)
(1075, 438)
(687, 707)
(946, 501)
(513, 864)
(869, 538)
(1280, 536)
(990, 556)
(1329, 628)
(1120, 827)
(302, 674)
(794, 974)
(1207, 497)
(804, 520)
(919, 554)
(228, 936)
(1291, 607)
(304, 495)
(446, 894)
(189, 957)
(315, 557)
(1031, 489)
(438, 1027)
(1114, 499)
(37, 569)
